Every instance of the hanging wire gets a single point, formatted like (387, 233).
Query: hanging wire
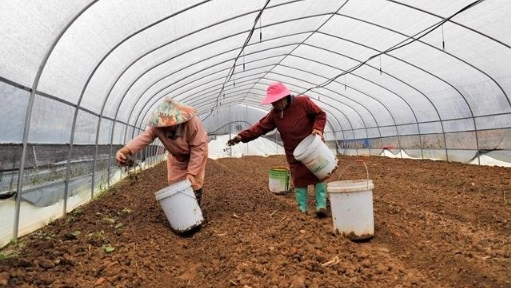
(442, 33)
(232, 70)
(243, 60)
(380, 64)
(399, 45)
(261, 31)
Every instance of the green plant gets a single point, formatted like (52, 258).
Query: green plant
(109, 220)
(12, 250)
(40, 234)
(127, 211)
(96, 238)
(108, 248)
(70, 219)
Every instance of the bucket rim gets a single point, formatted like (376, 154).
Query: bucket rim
(277, 168)
(306, 146)
(172, 189)
(358, 185)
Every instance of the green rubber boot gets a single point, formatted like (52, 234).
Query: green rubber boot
(301, 195)
(321, 199)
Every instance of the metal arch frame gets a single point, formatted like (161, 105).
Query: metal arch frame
(138, 99)
(105, 100)
(133, 62)
(333, 107)
(424, 43)
(143, 114)
(322, 14)
(237, 121)
(77, 108)
(450, 20)
(28, 116)
(303, 43)
(215, 73)
(397, 131)
(174, 40)
(321, 94)
(388, 74)
(233, 99)
(357, 102)
(33, 91)
(115, 120)
(321, 76)
(239, 33)
(232, 70)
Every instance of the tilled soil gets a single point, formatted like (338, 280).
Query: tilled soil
(437, 224)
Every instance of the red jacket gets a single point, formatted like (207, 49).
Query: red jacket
(294, 123)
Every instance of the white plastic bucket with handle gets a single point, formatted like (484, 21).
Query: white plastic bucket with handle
(316, 156)
(180, 206)
(352, 207)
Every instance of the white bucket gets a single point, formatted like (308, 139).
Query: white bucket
(315, 155)
(352, 208)
(180, 206)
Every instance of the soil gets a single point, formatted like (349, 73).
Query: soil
(437, 224)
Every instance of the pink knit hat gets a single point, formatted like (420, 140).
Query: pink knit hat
(275, 91)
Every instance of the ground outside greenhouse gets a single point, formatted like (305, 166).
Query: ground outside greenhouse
(437, 224)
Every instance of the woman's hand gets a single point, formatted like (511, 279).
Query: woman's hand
(191, 178)
(121, 155)
(234, 140)
(319, 133)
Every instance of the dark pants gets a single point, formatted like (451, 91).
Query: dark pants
(199, 194)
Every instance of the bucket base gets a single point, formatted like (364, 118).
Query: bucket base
(280, 192)
(189, 231)
(355, 237)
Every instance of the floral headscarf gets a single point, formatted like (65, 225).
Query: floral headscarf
(170, 113)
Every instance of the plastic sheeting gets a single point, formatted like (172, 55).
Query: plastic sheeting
(79, 78)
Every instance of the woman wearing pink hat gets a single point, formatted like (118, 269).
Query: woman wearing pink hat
(183, 136)
(295, 117)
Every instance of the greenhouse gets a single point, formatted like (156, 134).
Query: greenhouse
(411, 89)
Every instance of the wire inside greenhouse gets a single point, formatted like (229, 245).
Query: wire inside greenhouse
(416, 80)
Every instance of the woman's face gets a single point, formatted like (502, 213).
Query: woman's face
(170, 132)
(170, 128)
(280, 104)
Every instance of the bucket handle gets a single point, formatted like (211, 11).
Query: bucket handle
(358, 161)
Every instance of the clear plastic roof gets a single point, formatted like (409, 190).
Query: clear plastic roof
(69, 70)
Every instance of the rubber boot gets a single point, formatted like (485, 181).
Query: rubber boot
(199, 194)
(301, 195)
(321, 199)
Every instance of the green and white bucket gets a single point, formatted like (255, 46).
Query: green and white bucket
(279, 179)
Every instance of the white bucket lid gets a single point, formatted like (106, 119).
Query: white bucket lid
(350, 185)
(172, 189)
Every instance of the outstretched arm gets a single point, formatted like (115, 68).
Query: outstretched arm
(265, 125)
